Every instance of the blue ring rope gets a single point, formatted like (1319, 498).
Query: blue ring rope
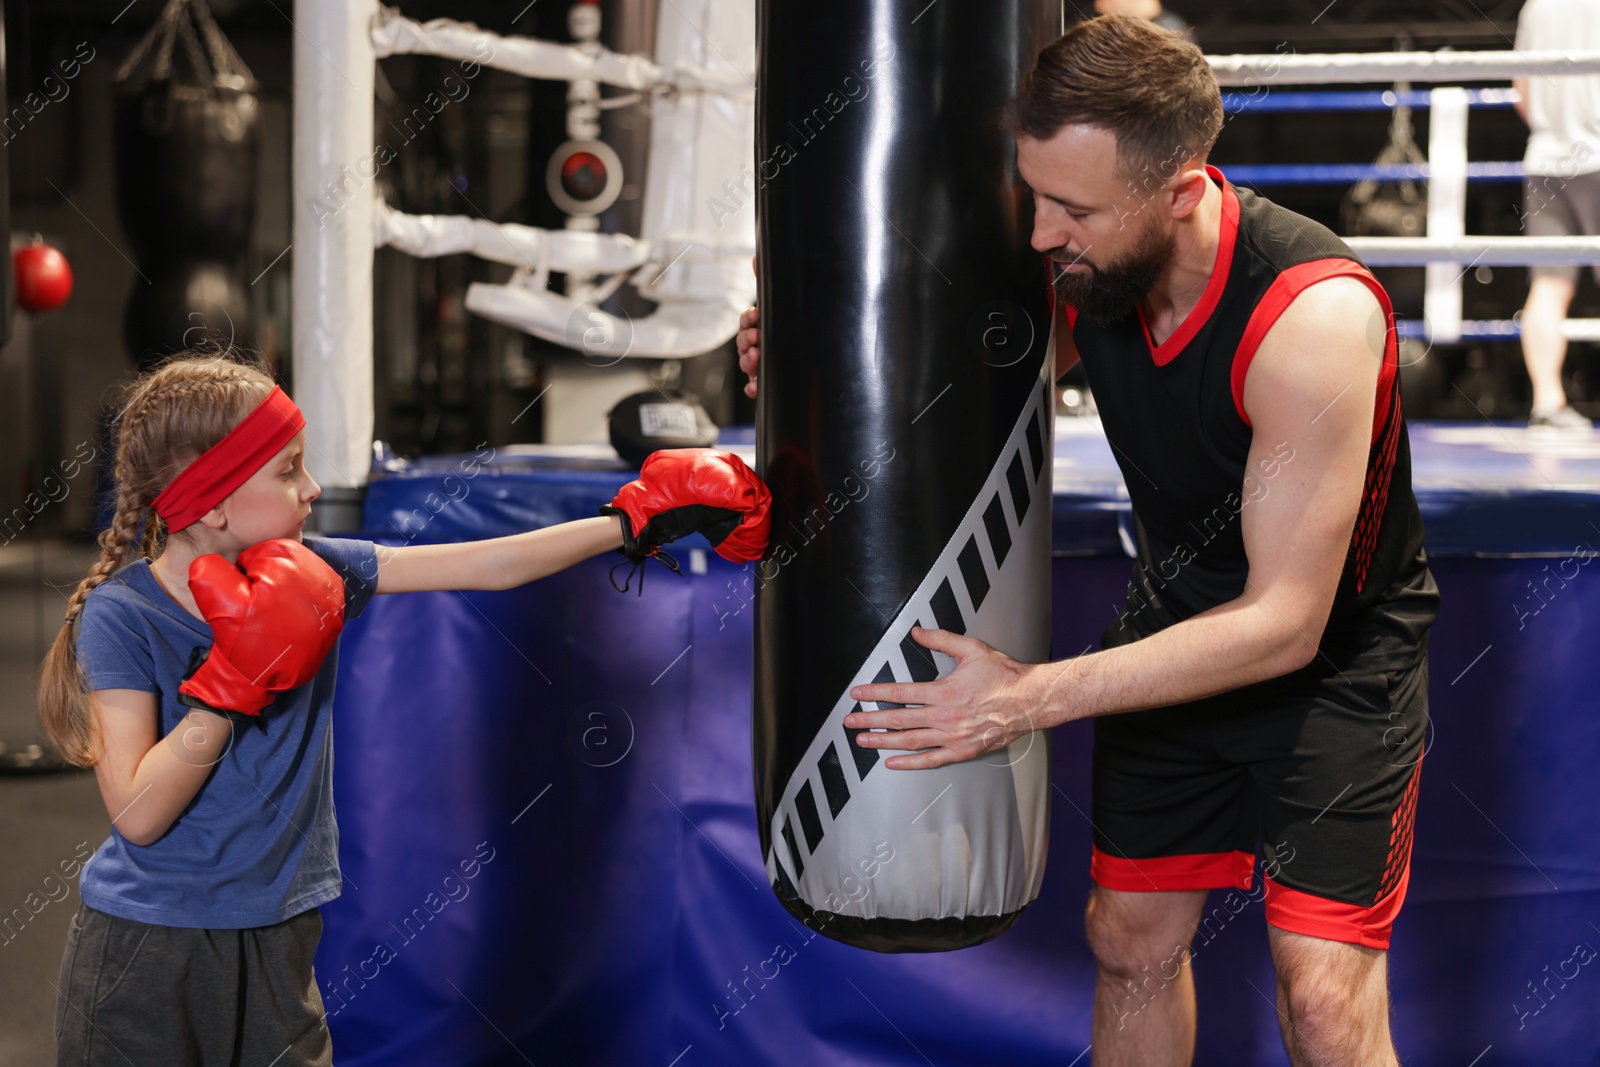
(1350, 173)
(1418, 100)
(1471, 329)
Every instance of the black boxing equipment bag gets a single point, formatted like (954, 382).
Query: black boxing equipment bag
(904, 426)
(642, 423)
(189, 303)
(187, 136)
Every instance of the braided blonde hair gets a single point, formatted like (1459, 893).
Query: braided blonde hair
(165, 419)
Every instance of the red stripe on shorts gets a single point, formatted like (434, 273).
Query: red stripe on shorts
(1331, 920)
(1166, 874)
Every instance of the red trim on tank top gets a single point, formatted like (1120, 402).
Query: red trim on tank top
(1290, 284)
(1228, 234)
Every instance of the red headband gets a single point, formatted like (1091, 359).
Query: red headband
(229, 463)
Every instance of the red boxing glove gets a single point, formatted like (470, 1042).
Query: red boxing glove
(681, 491)
(274, 618)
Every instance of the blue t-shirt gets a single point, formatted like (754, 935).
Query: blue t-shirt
(258, 844)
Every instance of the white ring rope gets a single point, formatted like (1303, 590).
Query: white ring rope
(529, 247)
(394, 34)
(1327, 69)
(1475, 251)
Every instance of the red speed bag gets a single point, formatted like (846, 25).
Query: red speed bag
(44, 278)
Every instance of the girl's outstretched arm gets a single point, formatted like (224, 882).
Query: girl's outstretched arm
(147, 780)
(679, 491)
(497, 563)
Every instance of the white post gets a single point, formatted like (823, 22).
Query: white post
(583, 124)
(334, 168)
(1447, 209)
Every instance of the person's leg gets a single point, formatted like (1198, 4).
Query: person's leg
(1333, 1002)
(1144, 1010)
(1338, 810)
(1543, 346)
(284, 1021)
(1171, 822)
(1552, 207)
(128, 994)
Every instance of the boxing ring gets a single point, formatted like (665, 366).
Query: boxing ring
(598, 746)
(1447, 171)
(549, 842)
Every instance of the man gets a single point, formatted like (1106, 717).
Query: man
(1266, 681)
(1561, 193)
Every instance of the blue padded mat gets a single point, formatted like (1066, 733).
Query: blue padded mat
(1485, 489)
(586, 756)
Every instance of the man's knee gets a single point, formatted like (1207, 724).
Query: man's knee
(1314, 1002)
(1332, 988)
(1141, 935)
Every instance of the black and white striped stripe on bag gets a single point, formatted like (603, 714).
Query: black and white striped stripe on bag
(968, 840)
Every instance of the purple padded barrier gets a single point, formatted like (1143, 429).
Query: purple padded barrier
(618, 909)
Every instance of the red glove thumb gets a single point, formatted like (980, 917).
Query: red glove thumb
(220, 587)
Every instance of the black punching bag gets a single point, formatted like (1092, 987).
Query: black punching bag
(187, 139)
(905, 429)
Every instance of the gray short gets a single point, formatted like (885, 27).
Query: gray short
(135, 993)
(1555, 206)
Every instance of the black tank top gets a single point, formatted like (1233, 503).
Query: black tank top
(1174, 415)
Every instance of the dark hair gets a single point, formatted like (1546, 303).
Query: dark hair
(1149, 86)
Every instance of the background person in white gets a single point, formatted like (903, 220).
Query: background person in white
(1561, 195)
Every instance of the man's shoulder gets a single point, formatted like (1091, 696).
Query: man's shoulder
(1338, 302)
(1286, 238)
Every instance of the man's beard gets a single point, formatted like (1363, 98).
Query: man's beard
(1111, 293)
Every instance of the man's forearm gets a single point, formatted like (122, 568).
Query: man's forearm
(1230, 646)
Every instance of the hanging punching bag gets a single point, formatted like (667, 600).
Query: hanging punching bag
(187, 139)
(905, 419)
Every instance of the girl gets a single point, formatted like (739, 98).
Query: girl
(199, 921)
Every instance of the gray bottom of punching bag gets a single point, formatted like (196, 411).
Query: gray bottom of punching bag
(944, 858)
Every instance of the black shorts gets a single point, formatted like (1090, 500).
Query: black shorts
(1320, 767)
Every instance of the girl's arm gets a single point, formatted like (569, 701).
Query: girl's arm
(146, 781)
(497, 563)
